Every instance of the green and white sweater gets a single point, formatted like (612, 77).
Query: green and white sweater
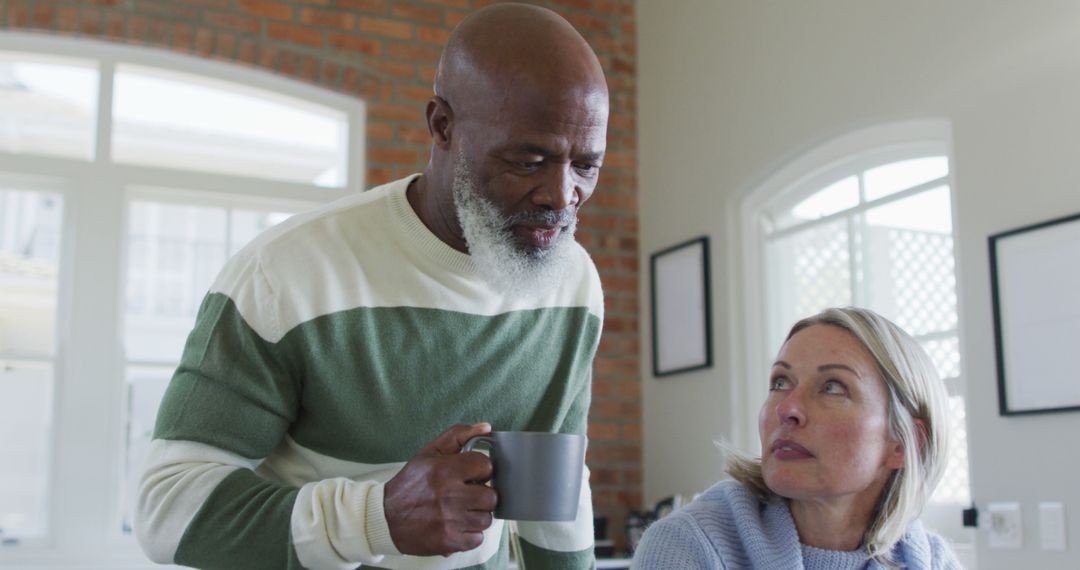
(326, 354)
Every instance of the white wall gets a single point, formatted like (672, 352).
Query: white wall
(730, 91)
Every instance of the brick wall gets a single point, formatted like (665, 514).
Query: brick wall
(385, 51)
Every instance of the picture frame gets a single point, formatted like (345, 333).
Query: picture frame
(681, 308)
(1035, 285)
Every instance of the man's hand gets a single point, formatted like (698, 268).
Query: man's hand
(434, 505)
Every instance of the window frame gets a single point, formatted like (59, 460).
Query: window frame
(87, 449)
(853, 153)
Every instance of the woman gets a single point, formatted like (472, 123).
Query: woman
(853, 439)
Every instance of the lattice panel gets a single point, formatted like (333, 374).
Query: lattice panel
(954, 486)
(924, 278)
(945, 353)
(809, 271)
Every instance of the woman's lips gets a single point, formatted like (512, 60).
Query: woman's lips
(787, 449)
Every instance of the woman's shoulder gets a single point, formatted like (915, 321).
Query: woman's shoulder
(922, 548)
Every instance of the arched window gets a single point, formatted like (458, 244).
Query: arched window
(127, 177)
(864, 220)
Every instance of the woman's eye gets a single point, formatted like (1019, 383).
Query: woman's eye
(834, 387)
(779, 383)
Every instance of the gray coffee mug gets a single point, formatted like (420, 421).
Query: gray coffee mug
(537, 475)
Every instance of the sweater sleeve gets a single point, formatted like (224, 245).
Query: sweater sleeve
(228, 406)
(676, 543)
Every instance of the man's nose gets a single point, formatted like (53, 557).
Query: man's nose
(559, 190)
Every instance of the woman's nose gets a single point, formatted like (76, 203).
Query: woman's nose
(791, 410)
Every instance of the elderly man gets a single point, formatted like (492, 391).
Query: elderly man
(302, 427)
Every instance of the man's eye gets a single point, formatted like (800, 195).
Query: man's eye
(528, 164)
(587, 169)
(834, 387)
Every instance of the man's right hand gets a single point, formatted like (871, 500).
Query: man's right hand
(434, 505)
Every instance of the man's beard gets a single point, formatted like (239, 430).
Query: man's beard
(506, 263)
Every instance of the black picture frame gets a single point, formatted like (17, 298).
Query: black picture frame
(681, 300)
(1035, 287)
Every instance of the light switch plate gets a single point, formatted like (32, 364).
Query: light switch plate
(1052, 525)
(1006, 525)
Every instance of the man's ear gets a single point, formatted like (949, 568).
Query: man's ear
(440, 122)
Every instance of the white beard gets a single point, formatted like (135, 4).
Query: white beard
(506, 264)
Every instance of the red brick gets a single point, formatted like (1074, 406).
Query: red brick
(603, 477)
(377, 176)
(267, 9)
(225, 46)
(428, 72)
(43, 16)
(204, 41)
(393, 68)
(158, 32)
(309, 68)
(579, 4)
(631, 432)
(630, 389)
(437, 36)
(247, 51)
(372, 6)
(176, 10)
(385, 27)
(329, 74)
(584, 22)
(328, 18)
(455, 18)
(183, 36)
(295, 34)
(451, 3)
(392, 156)
(619, 7)
(101, 2)
(598, 431)
(236, 22)
(412, 12)
(67, 19)
(363, 45)
(136, 27)
(90, 22)
(624, 122)
(413, 135)
(415, 92)
(601, 388)
(412, 53)
(268, 56)
(116, 25)
(380, 131)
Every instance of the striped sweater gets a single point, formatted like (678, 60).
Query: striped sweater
(728, 528)
(326, 354)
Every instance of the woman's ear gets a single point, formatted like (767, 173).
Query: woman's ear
(895, 459)
(440, 122)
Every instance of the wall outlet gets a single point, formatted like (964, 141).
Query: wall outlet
(1052, 525)
(1006, 525)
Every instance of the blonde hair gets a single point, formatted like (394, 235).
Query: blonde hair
(915, 393)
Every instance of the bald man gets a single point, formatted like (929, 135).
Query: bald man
(340, 362)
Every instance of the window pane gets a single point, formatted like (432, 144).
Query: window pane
(246, 224)
(892, 178)
(145, 388)
(25, 434)
(49, 106)
(191, 122)
(955, 487)
(806, 271)
(836, 197)
(174, 254)
(910, 270)
(29, 262)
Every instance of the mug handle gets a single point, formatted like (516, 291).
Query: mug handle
(473, 441)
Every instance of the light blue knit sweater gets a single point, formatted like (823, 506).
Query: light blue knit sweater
(728, 528)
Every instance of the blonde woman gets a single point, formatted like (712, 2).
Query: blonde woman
(853, 438)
